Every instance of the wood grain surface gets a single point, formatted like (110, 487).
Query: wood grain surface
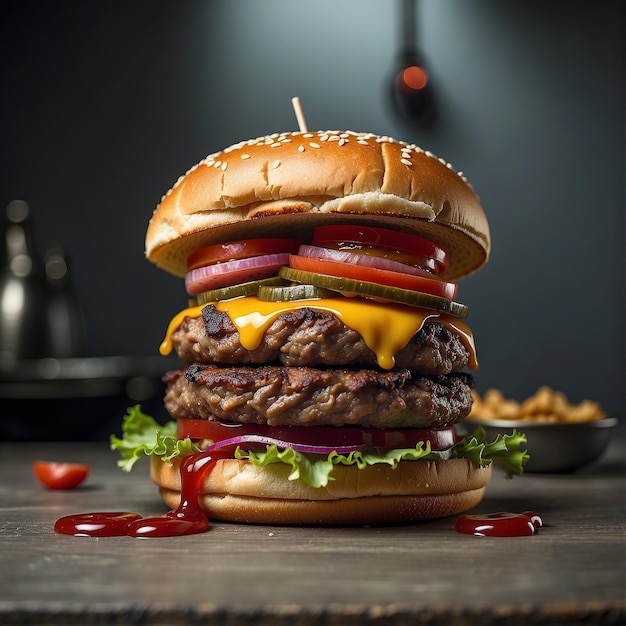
(571, 571)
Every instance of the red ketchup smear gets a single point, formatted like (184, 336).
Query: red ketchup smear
(95, 524)
(187, 519)
(499, 524)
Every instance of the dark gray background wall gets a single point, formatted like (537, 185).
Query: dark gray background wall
(104, 104)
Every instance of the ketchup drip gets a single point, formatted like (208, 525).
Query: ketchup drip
(187, 519)
(499, 524)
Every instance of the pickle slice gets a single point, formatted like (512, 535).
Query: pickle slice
(294, 292)
(235, 291)
(373, 291)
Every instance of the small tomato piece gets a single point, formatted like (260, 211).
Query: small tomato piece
(57, 475)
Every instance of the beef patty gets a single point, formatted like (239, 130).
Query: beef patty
(309, 337)
(304, 396)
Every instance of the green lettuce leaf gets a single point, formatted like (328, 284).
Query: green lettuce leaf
(142, 436)
(506, 451)
(308, 469)
(315, 471)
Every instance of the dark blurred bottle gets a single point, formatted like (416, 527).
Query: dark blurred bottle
(22, 290)
(65, 321)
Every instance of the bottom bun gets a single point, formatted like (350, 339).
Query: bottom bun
(239, 491)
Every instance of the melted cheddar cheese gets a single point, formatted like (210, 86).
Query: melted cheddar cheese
(385, 328)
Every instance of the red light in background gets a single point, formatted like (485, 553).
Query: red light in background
(413, 78)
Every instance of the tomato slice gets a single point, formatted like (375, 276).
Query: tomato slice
(242, 249)
(440, 439)
(57, 475)
(370, 240)
(422, 284)
(220, 275)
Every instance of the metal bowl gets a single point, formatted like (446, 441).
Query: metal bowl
(555, 447)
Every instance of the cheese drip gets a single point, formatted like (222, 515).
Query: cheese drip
(385, 328)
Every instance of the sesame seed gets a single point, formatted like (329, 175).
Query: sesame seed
(308, 135)
(276, 144)
(300, 148)
(343, 141)
(406, 161)
(334, 138)
(314, 145)
(245, 156)
(275, 164)
(217, 164)
(224, 166)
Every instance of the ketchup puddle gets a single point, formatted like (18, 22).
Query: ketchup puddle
(187, 519)
(499, 524)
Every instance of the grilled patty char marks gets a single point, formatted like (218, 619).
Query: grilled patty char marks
(304, 396)
(309, 337)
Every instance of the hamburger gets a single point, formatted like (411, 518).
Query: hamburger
(325, 356)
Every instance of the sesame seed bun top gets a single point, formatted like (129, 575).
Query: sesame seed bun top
(287, 184)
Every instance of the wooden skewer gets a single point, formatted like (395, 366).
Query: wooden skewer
(299, 114)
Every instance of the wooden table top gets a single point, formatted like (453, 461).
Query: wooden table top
(571, 571)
